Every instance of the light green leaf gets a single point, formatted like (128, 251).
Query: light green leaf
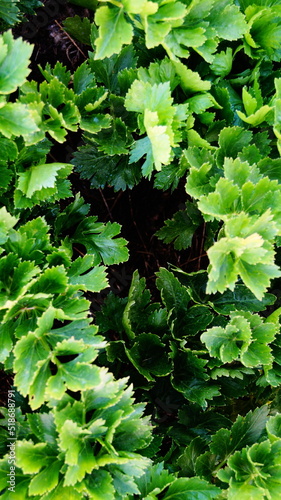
(46, 480)
(34, 350)
(191, 81)
(228, 20)
(14, 66)
(7, 222)
(17, 119)
(41, 176)
(114, 31)
(31, 457)
(222, 63)
(223, 343)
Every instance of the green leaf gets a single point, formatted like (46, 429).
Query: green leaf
(191, 81)
(175, 296)
(9, 150)
(223, 343)
(58, 71)
(160, 21)
(14, 62)
(245, 256)
(104, 170)
(41, 176)
(46, 480)
(187, 460)
(38, 386)
(7, 222)
(99, 485)
(149, 356)
(79, 28)
(189, 377)
(191, 489)
(31, 457)
(261, 463)
(32, 348)
(244, 432)
(69, 376)
(222, 12)
(223, 202)
(95, 123)
(231, 141)
(94, 280)
(9, 12)
(153, 482)
(115, 139)
(154, 102)
(71, 443)
(222, 63)
(31, 241)
(114, 31)
(99, 240)
(273, 428)
(17, 119)
(138, 300)
(181, 228)
(83, 79)
(240, 299)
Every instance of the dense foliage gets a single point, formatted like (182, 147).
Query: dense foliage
(169, 398)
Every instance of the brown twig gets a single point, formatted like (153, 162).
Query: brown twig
(71, 39)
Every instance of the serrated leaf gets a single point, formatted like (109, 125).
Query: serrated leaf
(16, 119)
(33, 349)
(41, 176)
(191, 81)
(114, 140)
(31, 457)
(223, 343)
(231, 141)
(99, 240)
(189, 377)
(155, 479)
(240, 299)
(221, 13)
(187, 460)
(99, 485)
(9, 13)
(261, 462)
(46, 480)
(114, 31)
(138, 299)
(191, 489)
(175, 296)
(181, 228)
(149, 356)
(7, 222)
(69, 376)
(222, 63)
(94, 280)
(14, 66)
(102, 169)
(247, 257)
(79, 28)
(43, 426)
(244, 432)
